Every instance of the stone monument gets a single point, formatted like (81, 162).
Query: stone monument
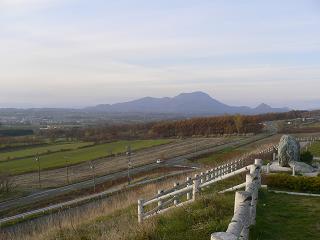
(288, 151)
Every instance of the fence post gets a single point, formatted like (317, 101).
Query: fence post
(223, 236)
(176, 198)
(216, 172)
(202, 177)
(268, 168)
(212, 173)
(195, 190)
(188, 184)
(207, 176)
(160, 192)
(252, 187)
(140, 210)
(274, 156)
(259, 164)
(293, 170)
(239, 222)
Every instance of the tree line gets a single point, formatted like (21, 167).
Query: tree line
(199, 126)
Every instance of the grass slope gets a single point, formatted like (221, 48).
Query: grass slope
(196, 221)
(315, 149)
(282, 216)
(220, 156)
(58, 159)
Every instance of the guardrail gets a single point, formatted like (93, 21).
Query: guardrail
(244, 207)
(186, 192)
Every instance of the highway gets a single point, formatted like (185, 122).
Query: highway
(48, 194)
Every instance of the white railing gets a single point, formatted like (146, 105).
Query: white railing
(308, 139)
(186, 192)
(244, 207)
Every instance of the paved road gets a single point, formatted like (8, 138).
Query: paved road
(54, 178)
(36, 197)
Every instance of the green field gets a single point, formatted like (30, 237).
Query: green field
(282, 216)
(58, 159)
(50, 148)
(220, 156)
(315, 149)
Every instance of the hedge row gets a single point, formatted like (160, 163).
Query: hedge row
(297, 183)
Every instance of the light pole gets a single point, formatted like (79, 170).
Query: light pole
(129, 162)
(93, 175)
(67, 168)
(37, 158)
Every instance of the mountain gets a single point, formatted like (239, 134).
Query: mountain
(194, 103)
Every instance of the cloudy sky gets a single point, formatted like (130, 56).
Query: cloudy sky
(73, 53)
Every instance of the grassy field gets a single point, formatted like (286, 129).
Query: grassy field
(50, 148)
(59, 159)
(282, 216)
(315, 149)
(220, 156)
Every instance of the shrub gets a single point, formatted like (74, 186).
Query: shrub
(306, 157)
(296, 183)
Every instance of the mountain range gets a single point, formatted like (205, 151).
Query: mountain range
(194, 103)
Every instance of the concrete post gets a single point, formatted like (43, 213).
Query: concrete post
(207, 175)
(196, 189)
(188, 184)
(258, 162)
(140, 210)
(202, 177)
(223, 236)
(212, 173)
(239, 225)
(160, 192)
(176, 198)
(268, 168)
(274, 157)
(252, 187)
(293, 170)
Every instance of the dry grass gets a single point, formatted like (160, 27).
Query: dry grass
(67, 222)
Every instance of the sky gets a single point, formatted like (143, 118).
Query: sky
(75, 53)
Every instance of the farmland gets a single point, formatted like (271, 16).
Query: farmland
(73, 156)
(81, 171)
(46, 149)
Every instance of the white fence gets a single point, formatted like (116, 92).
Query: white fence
(308, 139)
(186, 192)
(244, 207)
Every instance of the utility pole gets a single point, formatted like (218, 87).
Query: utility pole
(67, 168)
(37, 158)
(93, 175)
(129, 163)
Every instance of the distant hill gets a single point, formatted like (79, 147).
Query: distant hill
(195, 103)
